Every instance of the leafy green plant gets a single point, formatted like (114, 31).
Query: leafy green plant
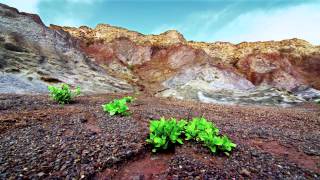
(118, 106)
(128, 99)
(63, 94)
(168, 132)
(198, 128)
(217, 142)
(204, 131)
(164, 133)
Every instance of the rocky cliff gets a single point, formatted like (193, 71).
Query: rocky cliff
(113, 59)
(33, 56)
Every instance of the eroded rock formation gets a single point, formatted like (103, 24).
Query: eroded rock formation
(113, 59)
(33, 56)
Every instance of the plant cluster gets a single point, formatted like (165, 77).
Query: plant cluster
(118, 106)
(164, 133)
(63, 94)
(167, 132)
(200, 129)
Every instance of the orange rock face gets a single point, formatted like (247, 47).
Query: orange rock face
(113, 59)
(271, 69)
(283, 64)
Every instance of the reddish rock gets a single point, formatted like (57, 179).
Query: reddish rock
(117, 59)
(270, 69)
(283, 64)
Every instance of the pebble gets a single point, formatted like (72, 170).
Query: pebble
(40, 174)
(83, 120)
(245, 172)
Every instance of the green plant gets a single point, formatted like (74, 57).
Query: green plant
(164, 133)
(198, 128)
(118, 106)
(63, 94)
(128, 99)
(202, 130)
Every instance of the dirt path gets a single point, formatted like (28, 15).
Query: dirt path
(40, 139)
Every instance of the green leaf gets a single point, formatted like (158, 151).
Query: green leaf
(118, 106)
(154, 150)
(218, 141)
(213, 149)
(164, 133)
(62, 94)
(169, 131)
(179, 141)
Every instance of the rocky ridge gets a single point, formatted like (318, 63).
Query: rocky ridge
(33, 56)
(112, 59)
(169, 65)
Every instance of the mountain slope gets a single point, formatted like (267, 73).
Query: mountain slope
(260, 62)
(32, 56)
(113, 59)
(168, 65)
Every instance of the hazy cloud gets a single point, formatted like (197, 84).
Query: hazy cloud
(201, 20)
(277, 22)
(301, 22)
(30, 6)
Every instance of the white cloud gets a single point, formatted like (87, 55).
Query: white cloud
(301, 21)
(29, 6)
(73, 22)
(295, 22)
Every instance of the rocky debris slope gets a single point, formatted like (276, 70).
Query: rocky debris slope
(39, 139)
(33, 56)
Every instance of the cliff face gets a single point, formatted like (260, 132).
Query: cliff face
(109, 59)
(168, 65)
(284, 64)
(33, 56)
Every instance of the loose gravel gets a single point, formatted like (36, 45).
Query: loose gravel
(43, 140)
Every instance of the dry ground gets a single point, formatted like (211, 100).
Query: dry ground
(42, 140)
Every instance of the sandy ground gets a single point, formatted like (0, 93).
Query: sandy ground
(42, 140)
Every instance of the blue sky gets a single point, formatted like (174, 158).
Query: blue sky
(201, 20)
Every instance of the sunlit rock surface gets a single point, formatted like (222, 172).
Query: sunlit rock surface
(33, 56)
(113, 59)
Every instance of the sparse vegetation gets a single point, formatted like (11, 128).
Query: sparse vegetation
(168, 132)
(63, 94)
(164, 133)
(118, 106)
(200, 129)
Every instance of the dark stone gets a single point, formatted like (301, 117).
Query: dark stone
(83, 120)
(42, 59)
(50, 79)
(12, 47)
(3, 63)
